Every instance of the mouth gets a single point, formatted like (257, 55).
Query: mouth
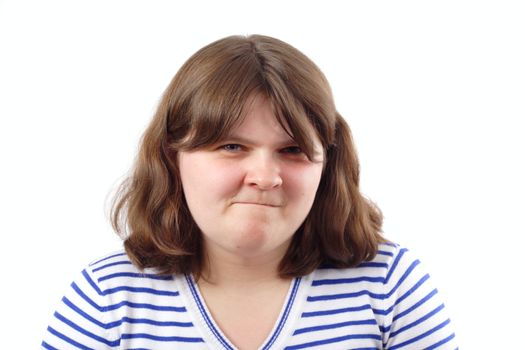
(270, 205)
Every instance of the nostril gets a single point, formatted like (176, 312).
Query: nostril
(264, 181)
(263, 171)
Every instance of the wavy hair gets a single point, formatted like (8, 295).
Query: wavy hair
(202, 103)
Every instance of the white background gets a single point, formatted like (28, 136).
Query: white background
(434, 92)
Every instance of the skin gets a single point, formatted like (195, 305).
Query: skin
(248, 195)
(251, 192)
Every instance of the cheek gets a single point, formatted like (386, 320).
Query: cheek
(302, 184)
(204, 180)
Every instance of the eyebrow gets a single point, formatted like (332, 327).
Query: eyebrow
(287, 142)
(240, 139)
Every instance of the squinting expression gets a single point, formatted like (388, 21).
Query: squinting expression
(251, 192)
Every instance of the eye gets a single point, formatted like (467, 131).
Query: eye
(292, 150)
(231, 147)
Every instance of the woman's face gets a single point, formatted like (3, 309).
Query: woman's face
(251, 192)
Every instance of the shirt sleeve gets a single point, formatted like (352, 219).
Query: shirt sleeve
(415, 316)
(78, 321)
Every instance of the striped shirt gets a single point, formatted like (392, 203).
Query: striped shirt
(386, 303)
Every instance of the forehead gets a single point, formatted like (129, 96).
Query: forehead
(259, 117)
(259, 113)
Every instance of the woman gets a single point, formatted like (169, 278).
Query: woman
(245, 225)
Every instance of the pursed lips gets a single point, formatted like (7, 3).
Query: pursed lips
(271, 205)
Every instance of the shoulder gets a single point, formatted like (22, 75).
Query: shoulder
(104, 298)
(391, 273)
(388, 253)
(413, 312)
(384, 262)
(115, 271)
(400, 292)
(365, 283)
(116, 261)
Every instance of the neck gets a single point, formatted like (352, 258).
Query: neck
(226, 270)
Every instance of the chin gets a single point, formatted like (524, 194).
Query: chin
(259, 244)
(252, 240)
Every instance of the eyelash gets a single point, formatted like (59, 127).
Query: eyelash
(296, 150)
(288, 150)
(225, 147)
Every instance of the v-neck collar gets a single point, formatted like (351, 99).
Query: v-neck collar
(282, 327)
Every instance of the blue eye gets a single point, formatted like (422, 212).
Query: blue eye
(232, 147)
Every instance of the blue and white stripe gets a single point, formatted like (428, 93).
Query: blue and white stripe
(112, 305)
(387, 303)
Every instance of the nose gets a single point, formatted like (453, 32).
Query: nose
(263, 172)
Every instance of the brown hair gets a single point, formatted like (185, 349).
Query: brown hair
(202, 103)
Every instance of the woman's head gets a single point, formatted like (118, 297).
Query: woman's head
(212, 95)
(250, 192)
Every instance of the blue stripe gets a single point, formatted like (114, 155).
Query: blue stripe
(106, 258)
(85, 297)
(384, 329)
(416, 286)
(124, 319)
(127, 262)
(126, 288)
(418, 321)
(421, 336)
(415, 306)
(134, 275)
(366, 292)
(140, 290)
(444, 341)
(347, 280)
(126, 303)
(404, 296)
(374, 264)
(344, 295)
(333, 340)
(285, 314)
(382, 252)
(205, 315)
(394, 265)
(67, 339)
(157, 323)
(335, 311)
(366, 264)
(91, 282)
(326, 266)
(162, 339)
(85, 332)
(405, 276)
(86, 315)
(334, 325)
(144, 306)
(47, 346)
